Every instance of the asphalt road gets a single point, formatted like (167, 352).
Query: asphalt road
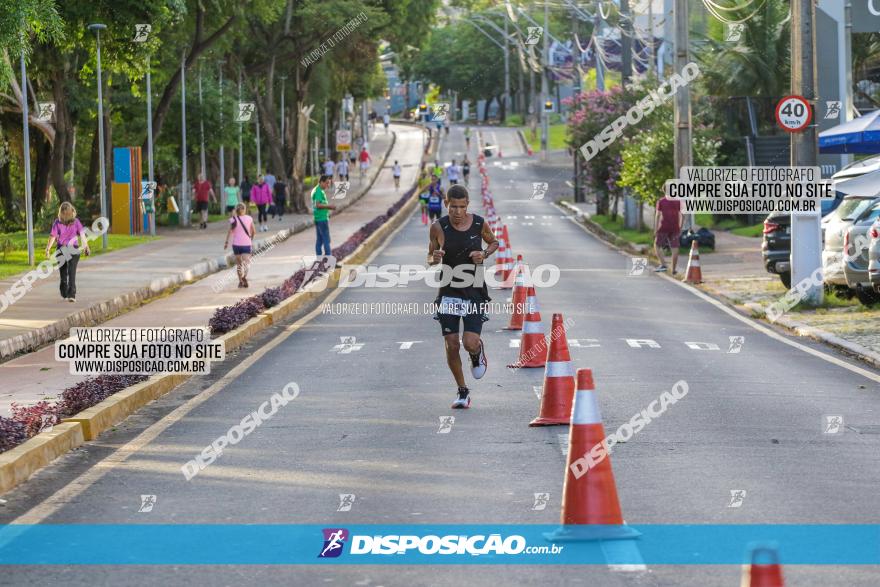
(367, 417)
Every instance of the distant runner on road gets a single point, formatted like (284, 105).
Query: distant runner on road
(467, 137)
(455, 240)
(395, 171)
(435, 199)
(466, 169)
(452, 173)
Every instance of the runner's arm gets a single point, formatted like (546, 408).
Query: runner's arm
(435, 245)
(489, 238)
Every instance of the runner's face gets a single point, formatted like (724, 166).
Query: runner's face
(457, 208)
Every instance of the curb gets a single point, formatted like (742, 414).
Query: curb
(609, 237)
(18, 464)
(102, 311)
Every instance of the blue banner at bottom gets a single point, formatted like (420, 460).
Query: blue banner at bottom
(364, 544)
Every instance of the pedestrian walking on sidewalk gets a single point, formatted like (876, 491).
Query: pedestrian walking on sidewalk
(261, 197)
(203, 192)
(667, 229)
(232, 195)
(270, 180)
(67, 232)
(280, 197)
(322, 215)
(329, 166)
(395, 171)
(342, 169)
(241, 232)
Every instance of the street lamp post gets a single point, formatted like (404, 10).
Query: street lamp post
(184, 195)
(222, 135)
(283, 77)
(28, 198)
(240, 134)
(97, 28)
(202, 126)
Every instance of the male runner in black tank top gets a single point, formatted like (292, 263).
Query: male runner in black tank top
(457, 240)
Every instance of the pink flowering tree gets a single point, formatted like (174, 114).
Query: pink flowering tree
(592, 112)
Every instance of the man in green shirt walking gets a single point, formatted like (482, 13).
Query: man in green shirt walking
(322, 215)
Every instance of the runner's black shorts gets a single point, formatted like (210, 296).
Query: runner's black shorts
(473, 322)
(434, 214)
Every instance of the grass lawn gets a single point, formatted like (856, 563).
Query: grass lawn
(13, 249)
(730, 224)
(645, 237)
(754, 230)
(556, 140)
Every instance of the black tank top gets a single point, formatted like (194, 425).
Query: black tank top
(458, 244)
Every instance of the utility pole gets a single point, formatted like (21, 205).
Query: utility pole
(682, 104)
(545, 118)
(506, 69)
(597, 41)
(326, 152)
(652, 57)
(625, 42)
(806, 237)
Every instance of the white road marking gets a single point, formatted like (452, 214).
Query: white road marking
(637, 343)
(514, 343)
(580, 343)
(703, 346)
(407, 344)
(538, 389)
(563, 443)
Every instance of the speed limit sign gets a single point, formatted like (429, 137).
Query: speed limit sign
(793, 113)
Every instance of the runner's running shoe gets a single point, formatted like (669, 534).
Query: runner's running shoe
(463, 401)
(479, 364)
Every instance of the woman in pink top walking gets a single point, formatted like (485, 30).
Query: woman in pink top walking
(67, 232)
(241, 230)
(261, 196)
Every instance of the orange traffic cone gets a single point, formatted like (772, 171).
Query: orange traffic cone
(763, 568)
(507, 239)
(510, 279)
(532, 344)
(558, 380)
(500, 257)
(590, 508)
(694, 274)
(519, 300)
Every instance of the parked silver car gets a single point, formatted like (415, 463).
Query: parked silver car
(856, 248)
(834, 231)
(874, 255)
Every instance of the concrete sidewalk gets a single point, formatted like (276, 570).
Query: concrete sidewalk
(108, 285)
(37, 376)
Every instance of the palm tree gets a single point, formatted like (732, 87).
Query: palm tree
(758, 63)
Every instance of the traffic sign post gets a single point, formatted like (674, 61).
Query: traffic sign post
(343, 140)
(793, 114)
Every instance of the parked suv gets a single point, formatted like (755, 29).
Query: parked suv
(835, 231)
(776, 246)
